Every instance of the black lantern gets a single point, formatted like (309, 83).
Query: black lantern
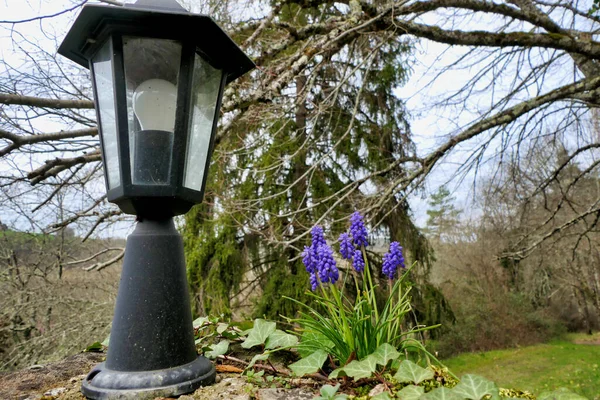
(158, 74)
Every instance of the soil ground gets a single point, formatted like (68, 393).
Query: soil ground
(62, 381)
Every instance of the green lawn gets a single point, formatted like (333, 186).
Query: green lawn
(539, 368)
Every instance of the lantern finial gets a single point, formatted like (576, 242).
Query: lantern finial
(170, 5)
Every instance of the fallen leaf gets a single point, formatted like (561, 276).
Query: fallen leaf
(228, 369)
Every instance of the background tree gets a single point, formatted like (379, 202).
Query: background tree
(442, 215)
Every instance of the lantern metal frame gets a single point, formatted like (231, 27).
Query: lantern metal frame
(100, 23)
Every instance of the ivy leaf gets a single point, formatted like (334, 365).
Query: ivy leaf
(382, 396)
(259, 333)
(311, 342)
(230, 335)
(218, 349)
(198, 322)
(411, 372)
(560, 394)
(329, 391)
(441, 394)
(384, 353)
(106, 341)
(475, 387)
(280, 339)
(222, 327)
(258, 357)
(336, 373)
(360, 369)
(310, 364)
(410, 392)
(93, 348)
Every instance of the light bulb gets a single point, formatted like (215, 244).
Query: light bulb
(154, 103)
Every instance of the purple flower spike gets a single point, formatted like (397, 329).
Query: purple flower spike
(328, 271)
(358, 230)
(358, 263)
(392, 260)
(314, 281)
(346, 247)
(309, 260)
(318, 238)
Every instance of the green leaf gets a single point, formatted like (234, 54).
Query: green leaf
(310, 364)
(410, 392)
(384, 353)
(441, 394)
(411, 372)
(560, 394)
(218, 349)
(198, 322)
(258, 357)
(313, 341)
(259, 333)
(328, 391)
(475, 388)
(360, 369)
(222, 327)
(336, 373)
(231, 334)
(382, 396)
(280, 339)
(106, 341)
(94, 348)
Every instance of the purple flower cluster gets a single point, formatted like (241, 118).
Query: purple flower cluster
(358, 230)
(346, 246)
(358, 263)
(319, 261)
(392, 260)
(350, 243)
(318, 238)
(328, 271)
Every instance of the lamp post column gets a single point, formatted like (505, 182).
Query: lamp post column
(152, 351)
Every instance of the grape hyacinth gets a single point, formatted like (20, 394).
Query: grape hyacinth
(392, 260)
(358, 230)
(314, 281)
(328, 271)
(310, 262)
(346, 247)
(320, 269)
(318, 238)
(358, 263)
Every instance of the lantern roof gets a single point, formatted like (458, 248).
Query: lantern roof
(154, 18)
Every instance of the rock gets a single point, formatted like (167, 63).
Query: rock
(284, 394)
(77, 378)
(186, 397)
(231, 387)
(32, 397)
(55, 392)
(377, 390)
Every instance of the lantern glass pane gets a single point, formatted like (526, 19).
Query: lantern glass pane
(151, 72)
(105, 93)
(206, 85)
